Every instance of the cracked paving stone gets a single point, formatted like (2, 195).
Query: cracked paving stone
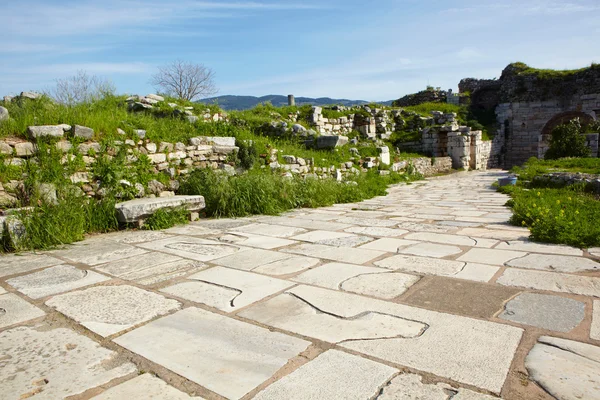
(490, 256)
(388, 244)
(595, 330)
(193, 248)
(545, 311)
(431, 250)
(18, 264)
(133, 237)
(227, 289)
(299, 316)
(433, 266)
(59, 279)
(521, 245)
(250, 259)
(367, 222)
(304, 223)
(499, 234)
(151, 268)
(469, 299)
(339, 239)
(376, 282)
(375, 231)
(99, 251)
(341, 254)
(410, 386)
(466, 350)
(287, 266)
(144, 386)
(555, 263)
(15, 310)
(442, 238)
(270, 230)
(551, 281)
(332, 375)
(224, 355)
(54, 363)
(107, 310)
(251, 240)
(565, 369)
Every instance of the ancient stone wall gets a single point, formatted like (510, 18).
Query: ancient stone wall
(526, 126)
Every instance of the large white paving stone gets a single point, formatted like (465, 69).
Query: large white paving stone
(340, 239)
(251, 240)
(133, 237)
(595, 330)
(376, 231)
(387, 285)
(544, 311)
(477, 272)
(595, 251)
(14, 310)
(500, 234)
(521, 245)
(367, 222)
(557, 263)
(342, 254)
(94, 252)
(376, 282)
(270, 230)
(332, 275)
(490, 256)
(565, 369)
(390, 245)
(54, 363)
(418, 227)
(151, 268)
(303, 223)
(139, 209)
(411, 387)
(552, 281)
(144, 386)
(193, 248)
(250, 259)
(227, 289)
(59, 279)
(442, 238)
(17, 264)
(422, 265)
(107, 310)
(332, 375)
(191, 229)
(224, 355)
(290, 265)
(470, 351)
(431, 250)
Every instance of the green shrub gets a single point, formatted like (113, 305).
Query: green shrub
(564, 216)
(567, 141)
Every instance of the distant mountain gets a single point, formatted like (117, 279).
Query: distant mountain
(245, 102)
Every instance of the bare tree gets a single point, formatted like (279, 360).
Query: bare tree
(185, 80)
(81, 88)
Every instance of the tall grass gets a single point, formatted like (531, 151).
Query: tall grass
(270, 193)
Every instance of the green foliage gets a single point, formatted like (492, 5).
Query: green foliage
(166, 218)
(425, 109)
(269, 193)
(567, 141)
(564, 216)
(50, 225)
(247, 155)
(534, 167)
(524, 69)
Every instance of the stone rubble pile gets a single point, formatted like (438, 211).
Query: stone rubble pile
(152, 102)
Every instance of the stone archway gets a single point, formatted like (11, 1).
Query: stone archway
(563, 118)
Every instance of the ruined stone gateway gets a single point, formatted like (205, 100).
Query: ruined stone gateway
(529, 103)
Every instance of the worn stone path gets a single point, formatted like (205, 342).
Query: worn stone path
(426, 293)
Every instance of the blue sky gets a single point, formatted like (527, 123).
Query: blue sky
(371, 50)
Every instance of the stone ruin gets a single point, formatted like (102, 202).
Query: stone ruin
(528, 106)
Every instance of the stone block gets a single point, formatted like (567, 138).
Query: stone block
(45, 131)
(83, 132)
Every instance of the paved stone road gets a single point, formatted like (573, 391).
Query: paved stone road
(426, 293)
